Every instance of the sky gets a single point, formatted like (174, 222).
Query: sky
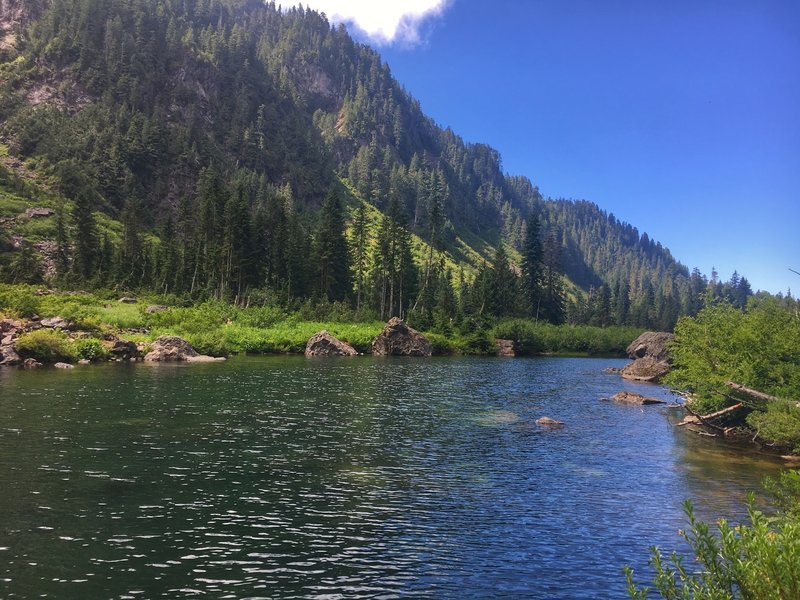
(681, 117)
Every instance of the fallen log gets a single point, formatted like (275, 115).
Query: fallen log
(706, 419)
(749, 393)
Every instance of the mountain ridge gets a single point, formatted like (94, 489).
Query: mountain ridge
(133, 100)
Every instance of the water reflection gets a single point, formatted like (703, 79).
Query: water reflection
(294, 478)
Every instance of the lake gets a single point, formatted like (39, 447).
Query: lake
(284, 477)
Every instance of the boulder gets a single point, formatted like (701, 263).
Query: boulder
(548, 422)
(155, 308)
(168, 348)
(645, 369)
(9, 325)
(124, 349)
(651, 344)
(63, 365)
(84, 361)
(505, 348)
(39, 212)
(650, 352)
(57, 323)
(9, 356)
(31, 363)
(398, 339)
(323, 343)
(127, 300)
(634, 398)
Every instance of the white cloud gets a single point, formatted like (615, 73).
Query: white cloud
(382, 21)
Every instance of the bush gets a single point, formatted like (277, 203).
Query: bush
(91, 349)
(19, 299)
(47, 346)
(756, 559)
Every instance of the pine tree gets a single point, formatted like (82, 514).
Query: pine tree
(532, 265)
(331, 256)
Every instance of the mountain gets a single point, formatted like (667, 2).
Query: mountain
(189, 146)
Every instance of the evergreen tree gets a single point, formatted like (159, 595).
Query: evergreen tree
(331, 255)
(532, 265)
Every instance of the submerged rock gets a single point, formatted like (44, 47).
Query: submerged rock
(634, 398)
(398, 339)
(548, 422)
(63, 365)
(323, 343)
(170, 348)
(31, 363)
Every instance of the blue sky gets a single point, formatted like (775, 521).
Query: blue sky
(680, 117)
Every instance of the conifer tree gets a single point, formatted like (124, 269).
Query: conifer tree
(331, 256)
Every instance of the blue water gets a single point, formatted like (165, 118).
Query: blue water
(289, 478)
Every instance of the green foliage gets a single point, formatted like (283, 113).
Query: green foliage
(19, 300)
(536, 337)
(46, 345)
(758, 348)
(91, 349)
(757, 559)
(778, 423)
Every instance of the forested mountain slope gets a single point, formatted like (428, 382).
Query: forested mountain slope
(189, 146)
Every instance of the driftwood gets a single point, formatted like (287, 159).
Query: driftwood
(706, 419)
(749, 393)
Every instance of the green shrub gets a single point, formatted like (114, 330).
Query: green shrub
(757, 559)
(47, 346)
(91, 349)
(19, 300)
(779, 424)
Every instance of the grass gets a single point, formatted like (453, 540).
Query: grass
(215, 327)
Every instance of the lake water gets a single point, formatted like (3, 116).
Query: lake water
(287, 477)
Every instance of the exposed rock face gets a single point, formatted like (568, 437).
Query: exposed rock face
(505, 348)
(398, 339)
(650, 352)
(548, 422)
(323, 343)
(169, 348)
(634, 398)
(39, 213)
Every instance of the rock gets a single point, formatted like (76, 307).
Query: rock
(61, 365)
(169, 348)
(31, 363)
(646, 369)
(548, 422)
(203, 358)
(38, 213)
(124, 349)
(155, 308)
(634, 398)
(57, 323)
(398, 339)
(9, 356)
(612, 370)
(505, 348)
(323, 343)
(127, 300)
(84, 361)
(650, 352)
(7, 325)
(651, 344)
